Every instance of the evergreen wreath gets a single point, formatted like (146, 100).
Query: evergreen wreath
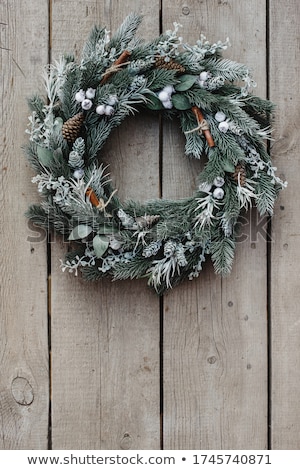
(162, 240)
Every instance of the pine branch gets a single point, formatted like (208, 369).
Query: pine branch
(158, 78)
(266, 194)
(231, 203)
(30, 152)
(239, 116)
(135, 268)
(96, 36)
(229, 149)
(72, 84)
(226, 68)
(96, 137)
(125, 33)
(37, 215)
(202, 98)
(194, 145)
(37, 104)
(91, 74)
(222, 254)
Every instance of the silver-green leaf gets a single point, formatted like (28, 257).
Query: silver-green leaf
(185, 82)
(228, 166)
(154, 103)
(57, 125)
(80, 231)
(45, 156)
(181, 102)
(100, 245)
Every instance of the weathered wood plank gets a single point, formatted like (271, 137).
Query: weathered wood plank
(285, 331)
(24, 380)
(105, 336)
(215, 331)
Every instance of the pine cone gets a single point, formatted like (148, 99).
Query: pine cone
(240, 174)
(146, 221)
(160, 63)
(71, 128)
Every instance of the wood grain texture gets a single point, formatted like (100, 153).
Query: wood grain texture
(215, 330)
(285, 295)
(24, 380)
(105, 336)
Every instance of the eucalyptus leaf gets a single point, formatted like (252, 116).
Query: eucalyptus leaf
(185, 82)
(154, 103)
(80, 231)
(57, 126)
(100, 245)
(58, 154)
(45, 156)
(181, 102)
(228, 167)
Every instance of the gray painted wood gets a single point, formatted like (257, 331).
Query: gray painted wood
(24, 377)
(106, 347)
(285, 325)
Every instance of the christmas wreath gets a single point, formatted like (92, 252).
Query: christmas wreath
(162, 240)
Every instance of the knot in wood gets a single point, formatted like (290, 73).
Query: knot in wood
(211, 359)
(126, 441)
(185, 10)
(22, 391)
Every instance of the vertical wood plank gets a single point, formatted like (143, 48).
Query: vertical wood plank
(285, 258)
(105, 336)
(215, 331)
(24, 380)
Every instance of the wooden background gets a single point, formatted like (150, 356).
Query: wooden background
(215, 364)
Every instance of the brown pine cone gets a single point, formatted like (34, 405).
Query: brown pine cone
(240, 174)
(160, 63)
(71, 128)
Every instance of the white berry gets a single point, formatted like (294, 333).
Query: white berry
(86, 104)
(218, 193)
(115, 244)
(112, 99)
(109, 110)
(169, 89)
(204, 76)
(90, 93)
(163, 96)
(219, 181)
(167, 104)
(100, 109)
(80, 96)
(205, 187)
(220, 116)
(78, 173)
(223, 126)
